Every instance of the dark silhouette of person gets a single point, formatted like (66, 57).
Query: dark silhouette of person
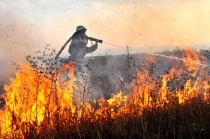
(78, 47)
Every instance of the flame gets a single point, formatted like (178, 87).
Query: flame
(30, 97)
(35, 101)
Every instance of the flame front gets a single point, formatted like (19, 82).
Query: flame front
(36, 104)
(33, 99)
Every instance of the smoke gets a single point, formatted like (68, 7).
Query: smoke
(18, 38)
(28, 26)
(158, 26)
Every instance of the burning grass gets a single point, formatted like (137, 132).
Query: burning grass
(39, 104)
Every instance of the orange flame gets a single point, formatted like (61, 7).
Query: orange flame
(34, 100)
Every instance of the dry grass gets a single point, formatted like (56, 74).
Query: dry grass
(135, 116)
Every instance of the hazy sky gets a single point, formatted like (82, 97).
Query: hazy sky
(144, 25)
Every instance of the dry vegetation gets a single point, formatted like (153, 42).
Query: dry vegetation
(170, 102)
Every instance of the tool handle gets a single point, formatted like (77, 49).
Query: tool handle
(62, 48)
(94, 39)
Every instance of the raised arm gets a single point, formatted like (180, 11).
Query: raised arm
(92, 48)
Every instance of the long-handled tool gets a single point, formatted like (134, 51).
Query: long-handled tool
(62, 48)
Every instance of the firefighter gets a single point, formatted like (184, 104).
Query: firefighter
(78, 47)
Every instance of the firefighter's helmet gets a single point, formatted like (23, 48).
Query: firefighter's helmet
(79, 28)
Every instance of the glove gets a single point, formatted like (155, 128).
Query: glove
(96, 45)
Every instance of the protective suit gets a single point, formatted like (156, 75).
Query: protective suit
(78, 46)
(78, 49)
